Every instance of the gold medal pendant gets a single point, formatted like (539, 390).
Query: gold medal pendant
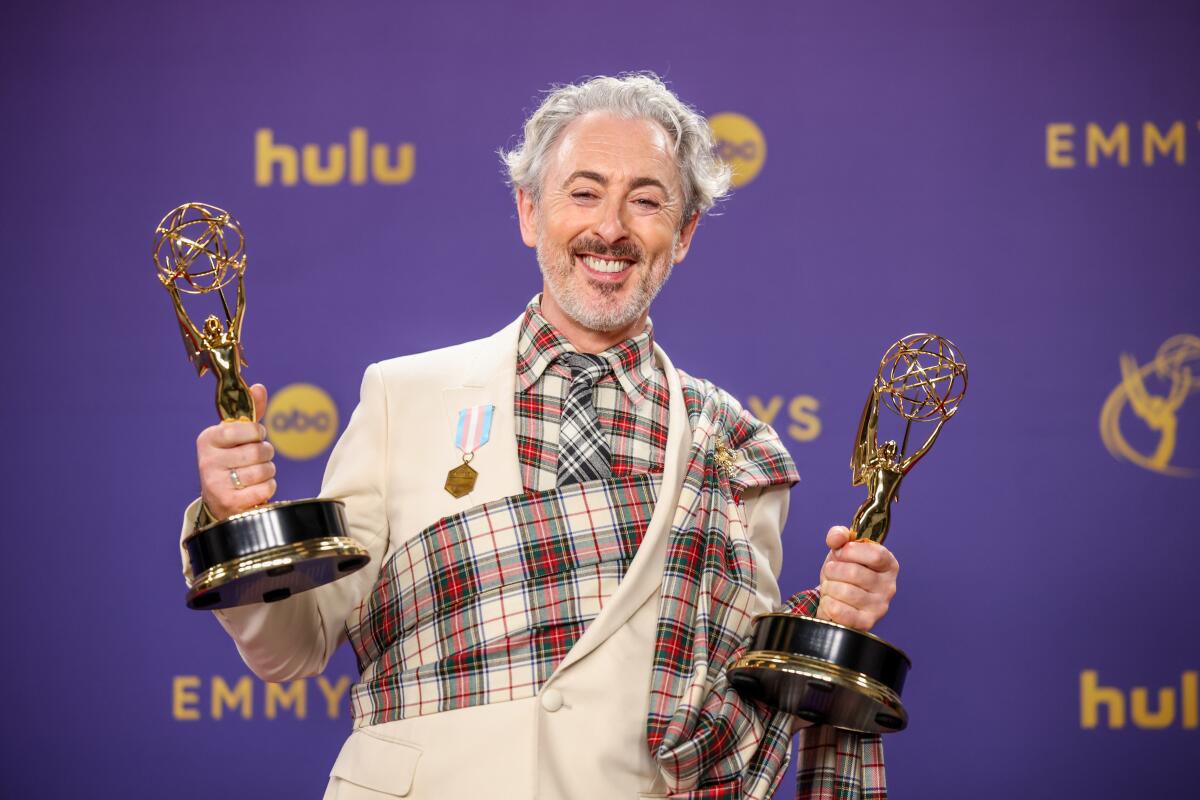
(460, 481)
(472, 432)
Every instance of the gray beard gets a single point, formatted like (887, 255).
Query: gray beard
(603, 320)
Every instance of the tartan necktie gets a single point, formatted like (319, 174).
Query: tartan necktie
(583, 451)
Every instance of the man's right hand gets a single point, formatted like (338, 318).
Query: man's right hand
(236, 449)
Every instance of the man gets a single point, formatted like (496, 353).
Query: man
(562, 628)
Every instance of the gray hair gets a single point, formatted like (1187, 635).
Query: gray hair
(643, 95)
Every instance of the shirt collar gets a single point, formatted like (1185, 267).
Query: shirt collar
(540, 343)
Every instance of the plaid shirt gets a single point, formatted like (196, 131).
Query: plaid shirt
(631, 402)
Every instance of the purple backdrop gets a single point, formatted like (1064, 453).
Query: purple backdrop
(918, 176)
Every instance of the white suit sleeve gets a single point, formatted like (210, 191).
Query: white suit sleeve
(296, 637)
(766, 514)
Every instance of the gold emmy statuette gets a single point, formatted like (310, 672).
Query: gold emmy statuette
(272, 551)
(826, 673)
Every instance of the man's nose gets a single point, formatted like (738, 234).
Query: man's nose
(611, 226)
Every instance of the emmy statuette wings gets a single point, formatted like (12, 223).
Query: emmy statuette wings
(270, 552)
(829, 674)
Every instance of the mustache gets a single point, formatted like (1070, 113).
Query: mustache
(625, 250)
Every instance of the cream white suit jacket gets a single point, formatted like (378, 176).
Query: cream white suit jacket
(584, 734)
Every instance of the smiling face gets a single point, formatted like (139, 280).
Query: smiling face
(608, 227)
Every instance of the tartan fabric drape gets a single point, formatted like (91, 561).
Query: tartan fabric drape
(708, 741)
(481, 607)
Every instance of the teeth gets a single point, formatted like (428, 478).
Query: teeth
(604, 264)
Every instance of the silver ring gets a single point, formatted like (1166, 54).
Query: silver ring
(235, 480)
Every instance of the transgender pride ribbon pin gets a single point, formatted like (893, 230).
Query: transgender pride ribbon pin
(471, 433)
(474, 428)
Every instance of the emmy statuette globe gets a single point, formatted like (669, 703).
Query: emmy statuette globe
(273, 551)
(830, 674)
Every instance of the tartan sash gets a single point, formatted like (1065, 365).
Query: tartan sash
(482, 606)
(707, 740)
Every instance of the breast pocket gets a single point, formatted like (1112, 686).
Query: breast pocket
(373, 767)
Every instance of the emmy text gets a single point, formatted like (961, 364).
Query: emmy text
(802, 409)
(193, 698)
(1067, 142)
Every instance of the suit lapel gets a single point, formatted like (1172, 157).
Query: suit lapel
(490, 380)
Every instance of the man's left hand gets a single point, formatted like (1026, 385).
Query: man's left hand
(858, 581)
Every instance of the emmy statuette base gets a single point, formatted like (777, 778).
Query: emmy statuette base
(270, 553)
(824, 673)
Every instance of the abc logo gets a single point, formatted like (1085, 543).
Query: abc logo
(740, 144)
(301, 421)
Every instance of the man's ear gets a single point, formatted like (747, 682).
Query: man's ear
(527, 216)
(685, 237)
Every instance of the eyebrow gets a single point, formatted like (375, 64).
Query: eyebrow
(603, 181)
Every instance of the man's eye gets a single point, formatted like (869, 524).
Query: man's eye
(646, 202)
(584, 195)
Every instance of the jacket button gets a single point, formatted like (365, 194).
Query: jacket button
(552, 700)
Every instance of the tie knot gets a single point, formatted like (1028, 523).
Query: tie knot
(585, 367)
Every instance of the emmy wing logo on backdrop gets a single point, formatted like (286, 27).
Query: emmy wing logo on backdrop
(1156, 393)
(740, 144)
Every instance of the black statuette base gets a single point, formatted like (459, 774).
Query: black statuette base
(824, 673)
(270, 553)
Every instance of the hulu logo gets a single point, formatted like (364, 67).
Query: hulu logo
(1168, 706)
(330, 165)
